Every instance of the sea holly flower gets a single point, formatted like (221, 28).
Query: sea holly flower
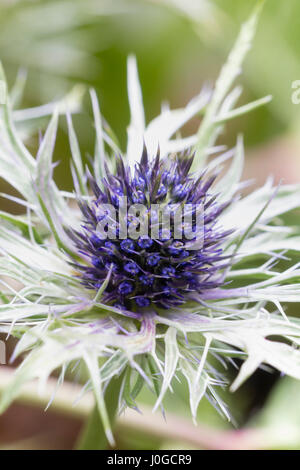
(148, 309)
(150, 268)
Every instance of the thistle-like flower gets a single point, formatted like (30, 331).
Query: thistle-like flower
(155, 268)
(136, 306)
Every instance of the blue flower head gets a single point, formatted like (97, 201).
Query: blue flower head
(160, 272)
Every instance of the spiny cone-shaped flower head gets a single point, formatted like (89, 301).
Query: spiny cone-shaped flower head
(148, 270)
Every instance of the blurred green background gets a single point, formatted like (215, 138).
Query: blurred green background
(180, 45)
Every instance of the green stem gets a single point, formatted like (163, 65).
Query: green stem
(93, 435)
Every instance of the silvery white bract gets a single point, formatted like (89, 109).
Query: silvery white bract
(61, 324)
